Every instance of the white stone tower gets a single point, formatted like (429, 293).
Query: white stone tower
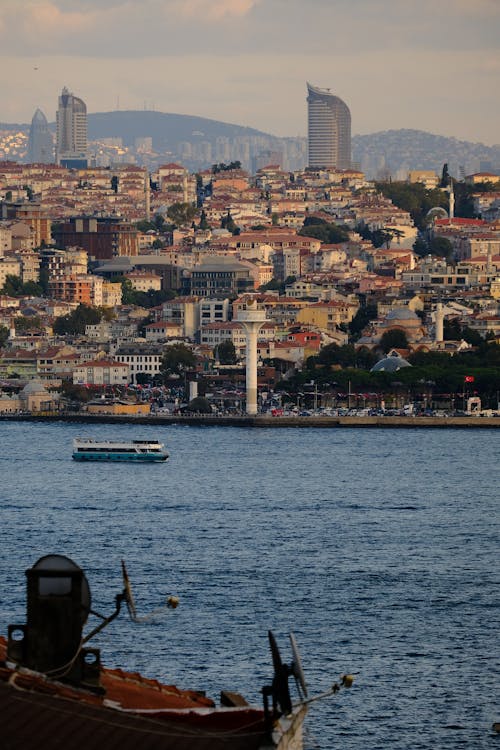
(439, 327)
(252, 319)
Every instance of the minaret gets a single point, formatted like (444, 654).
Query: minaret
(439, 324)
(147, 196)
(252, 320)
(451, 207)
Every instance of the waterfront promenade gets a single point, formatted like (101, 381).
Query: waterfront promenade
(261, 420)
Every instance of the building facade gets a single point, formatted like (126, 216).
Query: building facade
(328, 130)
(71, 131)
(40, 144)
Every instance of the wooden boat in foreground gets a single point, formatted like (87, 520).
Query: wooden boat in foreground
(54, 691)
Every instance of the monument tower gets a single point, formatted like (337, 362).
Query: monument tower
(252, 319)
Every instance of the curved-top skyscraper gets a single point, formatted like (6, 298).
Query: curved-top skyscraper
(40, 143)
(328, 130)
(71, 123)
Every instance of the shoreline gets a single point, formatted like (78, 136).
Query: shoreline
(260, 421)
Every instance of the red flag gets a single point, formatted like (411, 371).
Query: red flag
(469, 379)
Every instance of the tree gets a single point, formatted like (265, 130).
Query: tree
(14, 287)
(4, 335)
(441, 246)
(395, 338)
(28, 323)
(177, 358)
(181, 214)
(226, 353)
(330, 234)
(361, 320)
(114, 183)
(445, 177)
(221, 167)
(203, 221)
(74, 323)
(199, 405)
(415, 198)
(227, 222)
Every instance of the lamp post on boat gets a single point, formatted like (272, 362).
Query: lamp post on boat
(252, 319)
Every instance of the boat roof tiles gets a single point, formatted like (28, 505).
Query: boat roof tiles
(134, 712)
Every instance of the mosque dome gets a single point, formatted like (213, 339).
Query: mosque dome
(437, 212)
(34, 386)
(402, 313)
(393, 363)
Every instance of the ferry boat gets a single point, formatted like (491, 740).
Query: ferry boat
(87, 449)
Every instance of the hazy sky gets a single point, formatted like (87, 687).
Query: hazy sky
(433, 65)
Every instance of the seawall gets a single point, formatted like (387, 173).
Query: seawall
(262, 420)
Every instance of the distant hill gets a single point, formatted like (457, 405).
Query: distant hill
(166, 129)
(388, 151)
(402, 150)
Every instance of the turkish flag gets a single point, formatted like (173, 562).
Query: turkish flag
(469, 379)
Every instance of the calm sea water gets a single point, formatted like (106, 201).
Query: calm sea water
(377, 548)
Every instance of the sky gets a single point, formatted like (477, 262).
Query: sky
(433, 65)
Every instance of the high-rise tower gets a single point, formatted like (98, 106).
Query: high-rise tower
(71, 122)
(328, 130)
(40, 143)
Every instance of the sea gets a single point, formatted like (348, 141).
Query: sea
(378, 549)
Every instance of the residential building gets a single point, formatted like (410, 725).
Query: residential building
(218, 277)
(183, 311)
(102, 237)
(140, 358)
(101, 372)
(327, 316)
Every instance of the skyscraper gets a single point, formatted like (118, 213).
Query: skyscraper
(328, 130)
(40, 143)
(71, 123)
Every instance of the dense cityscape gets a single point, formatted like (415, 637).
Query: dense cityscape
(123, 285)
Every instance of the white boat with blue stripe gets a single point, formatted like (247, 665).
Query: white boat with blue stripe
(87, 449)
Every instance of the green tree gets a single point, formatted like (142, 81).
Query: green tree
(393, 339)
(114, 183)
(203, 221)
(14, 287)
(420, 247)
(415, 198)
(226, 353)
(441, 246)
(328, 233)
(445, 177)
(25, 323)
(363, 316)
(74, 323)
(145, 226)
(221, 167)
(4, 335)
(181, 214)
(176, 359)
(199, 405)
(227, 222)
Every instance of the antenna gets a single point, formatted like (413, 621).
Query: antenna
(171, 603)
(296, 668)
(127, 593)
(279, 689)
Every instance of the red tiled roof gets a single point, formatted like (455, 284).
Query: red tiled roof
(134, 712)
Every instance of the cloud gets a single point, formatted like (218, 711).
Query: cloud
(46, 17)
(212, 10)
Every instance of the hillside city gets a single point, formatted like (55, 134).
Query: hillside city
(121, 284)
